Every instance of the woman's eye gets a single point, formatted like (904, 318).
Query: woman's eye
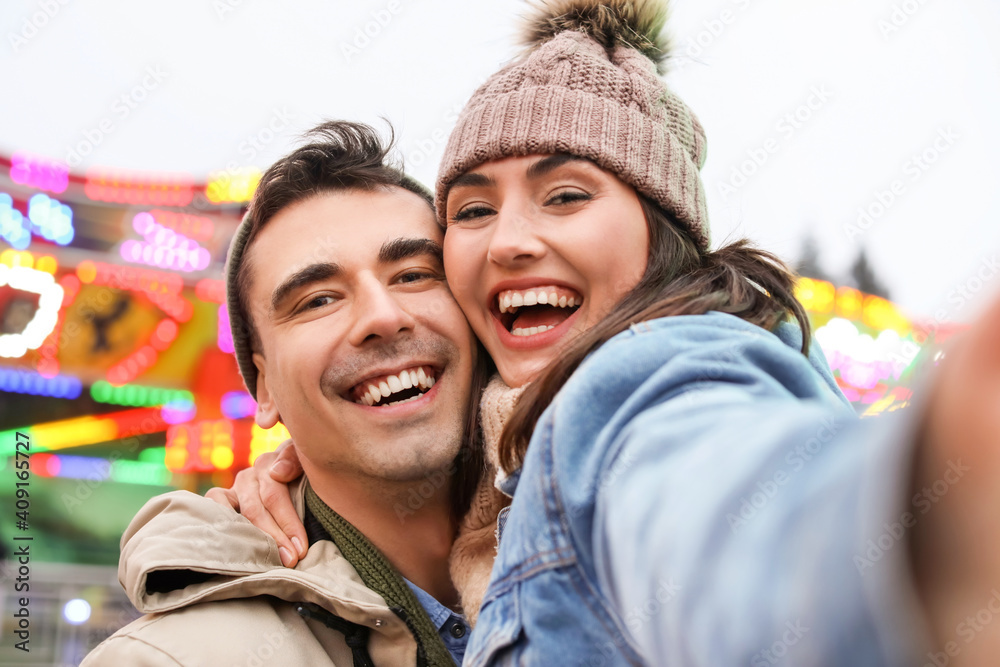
(472, 212)
(567, 197)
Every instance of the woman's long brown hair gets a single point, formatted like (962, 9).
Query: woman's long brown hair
(680, 279)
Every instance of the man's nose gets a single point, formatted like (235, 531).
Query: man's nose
(379, 314)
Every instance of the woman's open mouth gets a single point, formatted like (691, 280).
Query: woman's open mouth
(532, 311)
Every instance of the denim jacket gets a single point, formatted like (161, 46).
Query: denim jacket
(701, 493)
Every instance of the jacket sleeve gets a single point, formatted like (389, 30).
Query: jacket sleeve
(739, 524)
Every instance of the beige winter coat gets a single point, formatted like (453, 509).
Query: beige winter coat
(245, 613)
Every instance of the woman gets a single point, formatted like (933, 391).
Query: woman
(696, 490)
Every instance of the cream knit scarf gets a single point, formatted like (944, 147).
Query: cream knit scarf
(476, 545)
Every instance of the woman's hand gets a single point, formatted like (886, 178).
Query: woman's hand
(261, 495)
(956, 545)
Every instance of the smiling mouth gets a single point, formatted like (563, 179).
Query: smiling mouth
(528, 312)
(407, 385)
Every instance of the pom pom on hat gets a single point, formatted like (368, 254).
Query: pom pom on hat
(637, 24)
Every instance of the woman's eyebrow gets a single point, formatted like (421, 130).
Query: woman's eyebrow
(551, 163)
(473, 180)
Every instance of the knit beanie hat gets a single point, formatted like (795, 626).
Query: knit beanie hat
(589, 85)
(240, 329)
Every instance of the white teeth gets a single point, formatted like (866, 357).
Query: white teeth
(531, 331)
(405, 400)
(393, 384)
(510, 301)
(506, 304)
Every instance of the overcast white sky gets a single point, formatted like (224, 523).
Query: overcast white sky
(206, 81)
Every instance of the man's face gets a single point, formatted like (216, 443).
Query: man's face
(365, 357)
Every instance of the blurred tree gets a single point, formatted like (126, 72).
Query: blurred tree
(808, 264)
(863, 276)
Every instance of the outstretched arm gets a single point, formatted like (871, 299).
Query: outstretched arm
(956, 550)
(770, 529)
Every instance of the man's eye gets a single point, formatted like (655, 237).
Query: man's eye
(318, 302)
(568, 197)
(472, 212)
(416, 276)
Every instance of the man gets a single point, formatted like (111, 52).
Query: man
(345, 331)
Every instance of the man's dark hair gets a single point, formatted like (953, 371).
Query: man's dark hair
(341, 156)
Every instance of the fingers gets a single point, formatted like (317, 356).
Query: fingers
(224, 497)
(277, 502)
(285, 466)
(247, 490)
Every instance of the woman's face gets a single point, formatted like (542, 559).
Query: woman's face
(537, 250)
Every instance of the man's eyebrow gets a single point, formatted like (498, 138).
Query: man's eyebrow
(400, 249)
(313, 273)
(551, 163)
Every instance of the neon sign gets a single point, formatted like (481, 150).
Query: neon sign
(51, 219)
(163, 247)
(12, 226)
(127, 187)
(37, 172)
(50, 298)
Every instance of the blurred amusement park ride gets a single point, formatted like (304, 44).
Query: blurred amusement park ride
(116, 364)
(115, 350)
